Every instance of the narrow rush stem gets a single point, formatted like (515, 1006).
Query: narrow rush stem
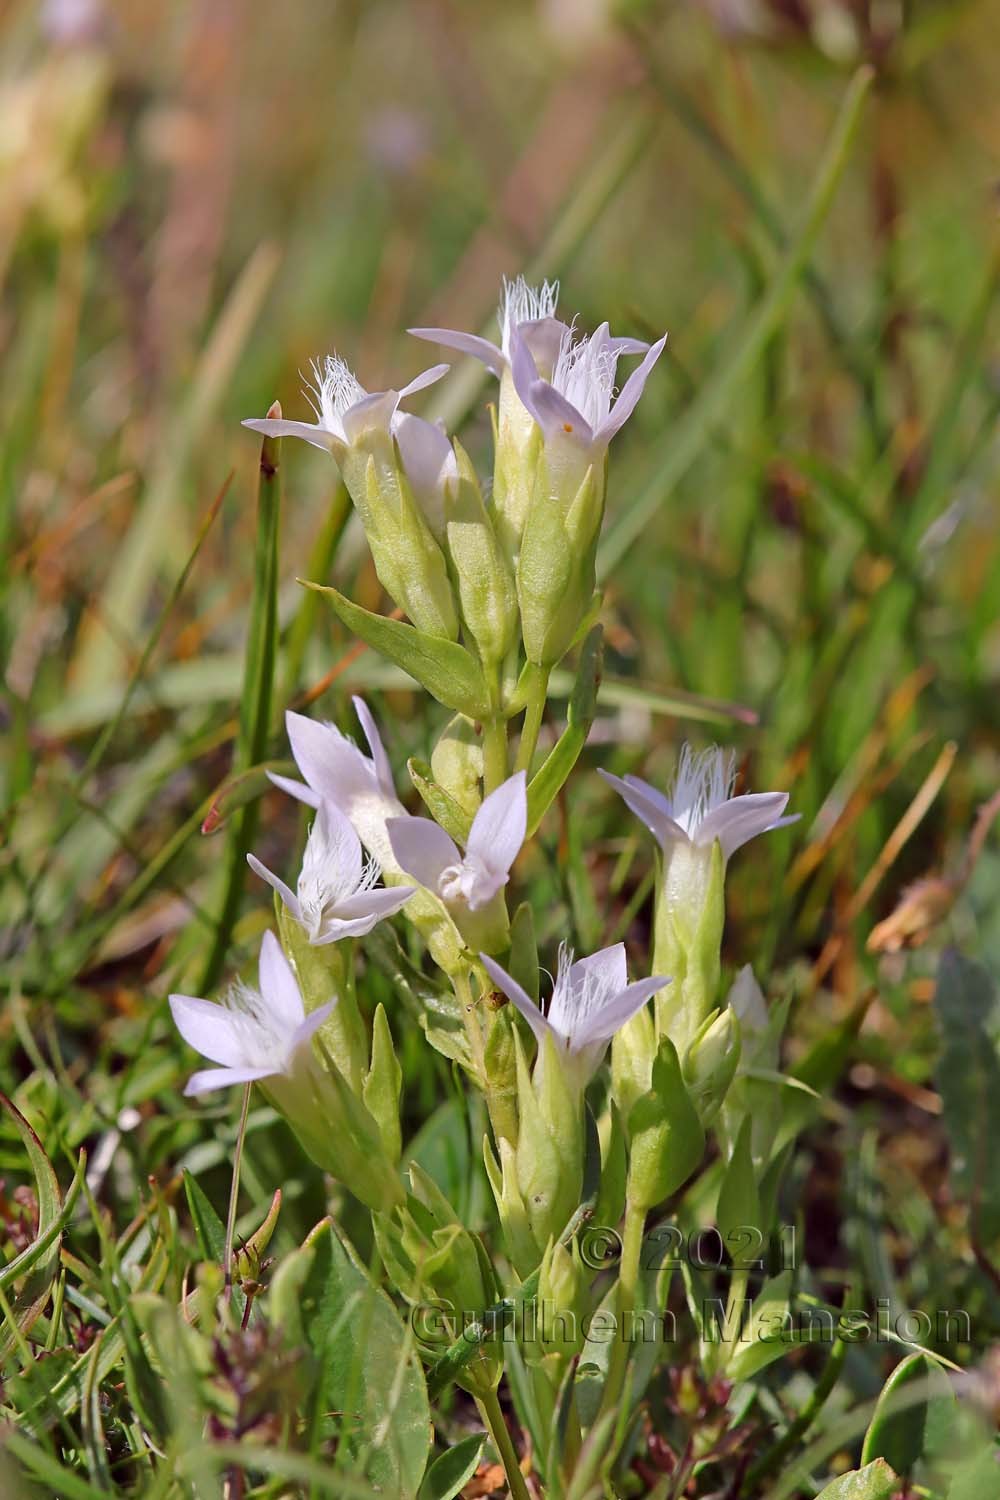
(489, 1410)
(628, 1285)
(234, 1193)
(494, 753)
(536, 692)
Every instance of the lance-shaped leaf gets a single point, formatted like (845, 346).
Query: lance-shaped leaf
(447, 670)
(547, 782)
(441, 805)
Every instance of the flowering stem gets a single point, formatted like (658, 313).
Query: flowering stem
(234, 1193)
(489, 1410)
(628, 1283)
(536, 691)
(494, 753)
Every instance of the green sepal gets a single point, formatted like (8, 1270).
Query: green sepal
(457, 764)
(739, 1201)
(556, 568)
(322, 976)
(633, 1052)
(688, 919)
(667, 1138)
(711, 1061)
(483, 577)
(382, 1086)
(447, 670)
(614, 1167)
(551, 776)
(518, 1237)
(500, 1068)
(874, 1482)
(440, 804)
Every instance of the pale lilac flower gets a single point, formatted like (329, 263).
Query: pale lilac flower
(591, 1000)
(337, 772)
(425, 851)
(576, 407)
(701, 807)
(528, 308)
(253, 1034)
(335, 895)
(345, 412)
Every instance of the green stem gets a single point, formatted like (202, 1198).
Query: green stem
(494, 753)
(770, 1460)
(536, 691)
(234, 1194)
(628, 1285)
(489, 1410)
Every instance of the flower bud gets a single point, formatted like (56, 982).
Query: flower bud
(633, 1051)
(667, 1137)
(517, 1232)
(557, 1332)
(430, 1255)
(409, 562)
(710, 1063)
(457, 763)
(483, 577)
(542, 1176)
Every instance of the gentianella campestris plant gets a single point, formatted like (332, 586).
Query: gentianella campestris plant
(496, 584)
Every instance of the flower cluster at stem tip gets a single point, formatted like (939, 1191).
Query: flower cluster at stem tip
(498, 585)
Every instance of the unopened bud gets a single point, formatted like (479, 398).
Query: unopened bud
(667, 1137)
(710, 1063)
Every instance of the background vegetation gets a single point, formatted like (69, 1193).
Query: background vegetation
(802, 559)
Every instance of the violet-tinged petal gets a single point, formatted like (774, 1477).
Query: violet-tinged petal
(740, 819)
(422, 849)
(628, 398)
(332, 766)
(373, 412)
(296, 789)
(209, 1029)
(622, 345)
(429, 462)
(553, 413)
(602, 1025)
(466, 343)
(311, 432)
(333, 849)
(287, 895)
(663, 828)
(424, 379)
(279, 988)
(519, 997)
(306, 1029)
(385, 901)
(652, 794)
(380, 760)
(499, 827)
(608, 965)
(544, 337)
(207, 1079)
